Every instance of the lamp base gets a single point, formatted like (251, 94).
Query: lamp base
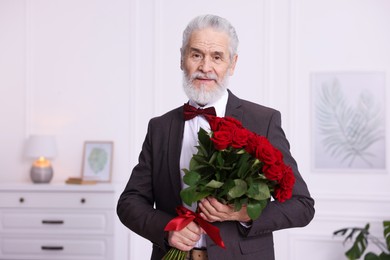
(41, 174)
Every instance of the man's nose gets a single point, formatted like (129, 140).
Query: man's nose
(206, 65)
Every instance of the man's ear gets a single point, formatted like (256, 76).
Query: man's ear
(233, 65)
(181, 59)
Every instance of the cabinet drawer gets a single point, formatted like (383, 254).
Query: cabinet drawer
(92, 222)
(57, 200)
(55, 248)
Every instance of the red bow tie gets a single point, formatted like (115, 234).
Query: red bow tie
(191, 112)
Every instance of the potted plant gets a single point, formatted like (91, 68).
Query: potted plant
(361, 237)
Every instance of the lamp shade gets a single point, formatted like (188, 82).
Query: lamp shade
(41, 146)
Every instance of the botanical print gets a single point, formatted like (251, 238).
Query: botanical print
(97, 161)
(349, 120)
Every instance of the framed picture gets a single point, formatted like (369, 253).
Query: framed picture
(97, 161)
(348, 121)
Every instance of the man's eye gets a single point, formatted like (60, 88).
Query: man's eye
(196, 56)
(217, 59)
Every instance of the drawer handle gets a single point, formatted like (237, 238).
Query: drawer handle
(52, 248)
(53, 222)
(21, 199)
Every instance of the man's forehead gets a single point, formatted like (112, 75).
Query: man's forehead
(209, 39)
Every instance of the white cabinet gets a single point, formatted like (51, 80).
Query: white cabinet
(57, 221)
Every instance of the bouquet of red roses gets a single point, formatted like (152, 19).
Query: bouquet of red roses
(237, 167)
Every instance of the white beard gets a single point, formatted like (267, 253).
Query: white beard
(201, 95)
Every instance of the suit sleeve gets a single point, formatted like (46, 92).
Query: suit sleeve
(295, 212)
(135, 206)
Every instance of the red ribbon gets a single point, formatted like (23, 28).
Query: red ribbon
(186, 216)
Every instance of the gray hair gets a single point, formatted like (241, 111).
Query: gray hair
(211, 21)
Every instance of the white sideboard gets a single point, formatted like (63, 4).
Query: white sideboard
(57, 221)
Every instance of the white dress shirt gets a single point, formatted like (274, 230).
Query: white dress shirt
(190, 140)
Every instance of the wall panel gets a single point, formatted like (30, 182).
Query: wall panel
(335, 36)
(13, 93)
(101, 69)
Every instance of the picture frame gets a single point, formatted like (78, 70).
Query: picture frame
(348, 121)
(97, 161)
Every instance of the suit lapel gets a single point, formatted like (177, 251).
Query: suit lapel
(174, 149)
(233, 107)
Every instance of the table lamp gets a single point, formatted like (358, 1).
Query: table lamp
(41, 148)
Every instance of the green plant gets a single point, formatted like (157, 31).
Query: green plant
(361, 237)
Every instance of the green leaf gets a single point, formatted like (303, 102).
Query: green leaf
(202, 151)
(371, 256)
(220, 160)
(360, 244)
(238, 203)
(222, 193)
(214, 184)
(243, 165)
(386, 233)
(213, 157)
(384, 256)
(198, 160)
(190, 195)
(191, 178)
(201, 195)
(204, 139)
(254, 208)
(258, 191)
(194, 163)
(239, 189)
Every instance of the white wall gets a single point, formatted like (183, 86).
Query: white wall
(99, 70)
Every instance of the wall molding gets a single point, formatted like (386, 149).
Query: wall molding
(292, 63)
(267, 51)
(28, 69)
(158, 38)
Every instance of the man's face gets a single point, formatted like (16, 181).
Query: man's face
(207, 63)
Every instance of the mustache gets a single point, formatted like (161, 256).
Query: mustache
(200, 75)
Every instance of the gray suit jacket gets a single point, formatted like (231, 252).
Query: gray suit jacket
(149, 200)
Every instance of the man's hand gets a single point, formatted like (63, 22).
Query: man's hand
(212, 210)
(186, 238)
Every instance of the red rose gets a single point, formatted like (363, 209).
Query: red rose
(228, 124)
(222, 139)
(288, 180)
(252, 143)
(283, 191)
(233, 121)
(265, 151)
(273, 172)
(278, 155)
(214, 123)
(282, 195)
(240, 138)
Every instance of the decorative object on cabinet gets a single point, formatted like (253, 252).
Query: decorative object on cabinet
(75, 180)
(41, 148)
(97, 160)
(57, 222)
